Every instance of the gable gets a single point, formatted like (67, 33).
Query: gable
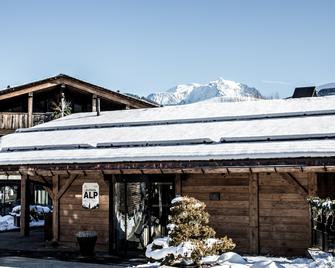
(52, 82)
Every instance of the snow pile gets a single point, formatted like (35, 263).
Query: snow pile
(220, 90)
(159, 249)
(39, 210)
(7, 223)
(234, 260)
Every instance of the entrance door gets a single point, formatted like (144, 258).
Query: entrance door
(141, 209)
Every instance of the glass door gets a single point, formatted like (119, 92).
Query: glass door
(141, 209)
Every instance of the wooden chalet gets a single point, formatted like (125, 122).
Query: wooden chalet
(253, 163)
(32, 104)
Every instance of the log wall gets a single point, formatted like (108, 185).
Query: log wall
(283, 216)
(73, 218)
(229, 215)
(262, 213)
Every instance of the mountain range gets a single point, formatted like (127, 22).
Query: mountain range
(220, 90)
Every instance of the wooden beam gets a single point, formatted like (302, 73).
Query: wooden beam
(254, 214)
(314, 169)
(49, 191)
(312, 184)
(101, 93)
(30, 109)
(94, 103)
(295, 183)
(55, 211)
(312, 191)
(24, 218)
(27, 90)
(66, 186)
(288, 169)
(98, 108)
(178, 185)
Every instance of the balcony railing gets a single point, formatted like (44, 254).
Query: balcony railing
(12, 121)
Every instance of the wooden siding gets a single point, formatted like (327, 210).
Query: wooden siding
(263, 213)
(73, 218)
(283, 216)
(229, 215)
(12, 121)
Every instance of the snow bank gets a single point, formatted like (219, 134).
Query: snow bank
(160, 248)
(7, 223)
(234, 260)
(40, 210)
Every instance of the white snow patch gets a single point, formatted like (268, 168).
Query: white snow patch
(234, 260)
(7, 223)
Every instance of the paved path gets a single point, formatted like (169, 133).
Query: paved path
(32, 251)
(13, 262)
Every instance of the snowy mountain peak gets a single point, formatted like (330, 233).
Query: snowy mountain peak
(218, 90)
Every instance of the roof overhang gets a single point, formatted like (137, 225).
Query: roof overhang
(306, 165)
(62, 79)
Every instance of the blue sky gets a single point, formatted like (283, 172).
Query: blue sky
(148, 46)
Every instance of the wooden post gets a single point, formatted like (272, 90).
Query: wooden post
(55, 212)
(312, 191)
(254, 214)
(98, 106)
(178, 185)
(94, 103)
(312, 184)
(111, 213)
(24, 218)
(30, 109)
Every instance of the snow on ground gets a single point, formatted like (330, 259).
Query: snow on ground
(36, 208)
(7, 221)
(233, 260)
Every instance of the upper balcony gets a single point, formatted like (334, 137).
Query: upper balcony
(10, 121)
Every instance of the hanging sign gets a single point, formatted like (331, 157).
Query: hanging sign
(90, 195)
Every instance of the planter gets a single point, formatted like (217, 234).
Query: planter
(86, 241)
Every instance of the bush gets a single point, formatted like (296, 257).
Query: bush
(190, 237)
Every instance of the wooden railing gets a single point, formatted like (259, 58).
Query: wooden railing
(20, 120)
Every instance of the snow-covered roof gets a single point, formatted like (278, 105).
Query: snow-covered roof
(203, 131)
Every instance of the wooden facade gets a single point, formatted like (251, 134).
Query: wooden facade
(32, 104)
(263, 212)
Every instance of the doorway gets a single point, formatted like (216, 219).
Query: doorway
(141, 205)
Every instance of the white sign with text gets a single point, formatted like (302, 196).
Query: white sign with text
(91, 195)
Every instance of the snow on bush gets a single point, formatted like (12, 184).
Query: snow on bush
(190, 238)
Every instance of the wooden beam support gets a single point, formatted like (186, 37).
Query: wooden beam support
(55, 211)
(254, 214)
(66, 186)
(49, 191)
(24, 218)
(312, 184)
(27, 90)
(178, 185)
(94, 103)
(98, 108)
(113, 96)
(295, 183)
(30, 109)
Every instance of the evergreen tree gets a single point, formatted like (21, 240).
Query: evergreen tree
(189, 224)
